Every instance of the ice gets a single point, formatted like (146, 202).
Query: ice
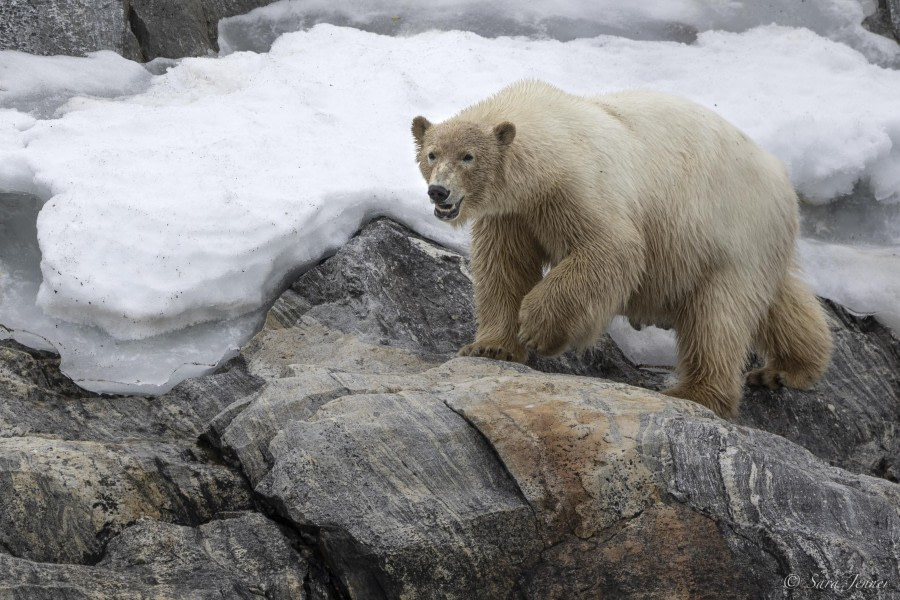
(564, 20)
(865, 279)
(39, 85)
(91, 357)
(172, 213)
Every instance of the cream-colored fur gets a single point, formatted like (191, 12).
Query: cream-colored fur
(642, 204)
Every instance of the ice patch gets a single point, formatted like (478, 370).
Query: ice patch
(865, 279)
(648, 347)
(91, 357)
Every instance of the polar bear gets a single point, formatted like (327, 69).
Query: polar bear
(641, 204)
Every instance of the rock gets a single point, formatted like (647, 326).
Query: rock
(176, 28)
(885, 20)
(239, 557)
(851, 417)
(61, 500)
(409, 304)
(611, 472)
(78, 470)
(422, 475)
(348, 453)
(893, 7)
(65, 27)
(137, 29)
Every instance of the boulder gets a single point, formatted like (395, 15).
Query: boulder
(177, 28)
(423, 475)
(137, 29)
(409, 304)
(71, 27)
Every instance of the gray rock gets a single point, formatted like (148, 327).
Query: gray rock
(893, 7)
(409, 303)
(402, 471)
(77, 470)
(421, 476)
(176, 28)
(246, 556)
(885, 20)
(137, 29)
(71, 27)
(407, 498)
(851, 417)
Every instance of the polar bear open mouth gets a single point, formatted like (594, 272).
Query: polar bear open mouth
(448, 214)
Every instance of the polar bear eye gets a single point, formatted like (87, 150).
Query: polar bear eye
(468, 158)
(431, 156)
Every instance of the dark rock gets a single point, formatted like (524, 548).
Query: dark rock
(851, 417)
(176, 28)
(77, 470)
(885, 20)
(893, 7)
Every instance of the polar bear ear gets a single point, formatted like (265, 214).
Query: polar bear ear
(419, 126)
(505, 133)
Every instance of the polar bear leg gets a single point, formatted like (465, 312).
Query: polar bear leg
(506, 264)
(794, 338)
(715, 330)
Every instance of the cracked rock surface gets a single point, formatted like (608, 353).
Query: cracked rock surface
(347, 453)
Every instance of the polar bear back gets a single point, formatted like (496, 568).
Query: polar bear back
(700, 193)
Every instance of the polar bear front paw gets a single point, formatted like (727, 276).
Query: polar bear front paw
(539, 335)
(494, 350)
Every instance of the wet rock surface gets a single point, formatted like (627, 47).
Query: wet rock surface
(347, 453)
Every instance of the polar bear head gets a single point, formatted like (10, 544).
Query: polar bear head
(460, 160)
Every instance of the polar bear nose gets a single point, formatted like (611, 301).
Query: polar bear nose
(438, 193)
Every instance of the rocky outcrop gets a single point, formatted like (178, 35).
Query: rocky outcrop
(430, 476)
(388, 290)
(113, 497)
(348, 453)
(137, 29)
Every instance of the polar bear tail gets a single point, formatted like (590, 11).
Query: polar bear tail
(794, 337)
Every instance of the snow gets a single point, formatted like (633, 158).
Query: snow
(176, 206)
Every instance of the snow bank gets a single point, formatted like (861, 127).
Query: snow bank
(564, 20)
(189, 203)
